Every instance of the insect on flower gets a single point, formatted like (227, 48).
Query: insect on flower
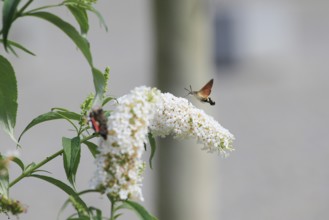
(98, 121)
(203, 94)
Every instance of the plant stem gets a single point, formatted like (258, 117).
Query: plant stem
(43, 7)
(112, 210)
(26, 173)
(88, 138)
(23, 8)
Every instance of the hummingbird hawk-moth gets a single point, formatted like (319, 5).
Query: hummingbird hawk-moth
(203, 93)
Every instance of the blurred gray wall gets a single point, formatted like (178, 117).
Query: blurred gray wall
(272, 96)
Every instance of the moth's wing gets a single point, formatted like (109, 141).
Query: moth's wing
(206, 90)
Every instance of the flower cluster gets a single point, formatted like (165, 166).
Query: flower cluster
(119, 164)
(8, 205)
(145, 110)
(12, 206)
(177, 116)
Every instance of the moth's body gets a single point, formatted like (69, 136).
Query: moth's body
(203, 94)
(99, 122)
(198, 95)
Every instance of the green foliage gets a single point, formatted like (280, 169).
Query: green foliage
(87, 104)
(53, 115)
(12, 44)
(69, 30)
(71, 157)
(79, 204)
(12, 10)
(19, 163)
(8, 15)
(141, 212)
(81, 17)
(8, 97)
(12, 206)
(85, 5)
(99, 84)
(92, 148)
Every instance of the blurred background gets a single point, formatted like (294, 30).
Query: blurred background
(269, 60)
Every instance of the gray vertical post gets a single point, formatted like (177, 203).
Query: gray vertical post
(186, 190)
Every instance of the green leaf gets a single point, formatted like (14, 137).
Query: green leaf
(141, 212)
(8, 97)
(153, 148)
(108, 99)
(92, 148)
(53, 115)
(99, 83)
(17, 45)
(88, 7)
(71, 157)
(19, 163)
(68, 200)
(12, 50)
(8, 14)
(82, 207)
(66, 203)
(4, 177)
(96, 213)
(69, 30)
(79, 218)
(117, 215)
(100, 17)
(40, 171)
(29, 167)
(81, 17)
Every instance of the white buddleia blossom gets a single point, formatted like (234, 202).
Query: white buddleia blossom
(119, 163)
(143, 110)
(177, 116)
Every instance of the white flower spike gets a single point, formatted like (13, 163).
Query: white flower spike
(144, 110)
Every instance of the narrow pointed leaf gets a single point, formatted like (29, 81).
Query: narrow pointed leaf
(108, 99)
(71, 157)
(82, 205)
(99, 84)
(88, 7)
(100, 17)
(30, 167)
(9, 9)
(17, 45)
(12, 49)
(69, 30)
(40, 171)
(8, 97)
(141, 212)
(68, 200)
(19, 163)
(53, 115)
(80, 218)
(81, 17)
(92, 148)
(96, 213)
(117, 216)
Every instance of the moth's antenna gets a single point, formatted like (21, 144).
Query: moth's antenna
(189, 91)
